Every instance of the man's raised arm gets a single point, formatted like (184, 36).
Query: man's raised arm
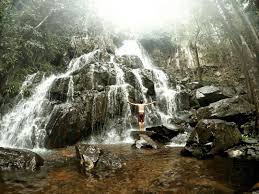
(132, 103)
(150, 103)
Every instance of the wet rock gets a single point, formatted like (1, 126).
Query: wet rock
(163, 134)
(67, 125)
(17, 159)
(144, 141)
(194, 85)
(208, 94)
(248, 128)
(236, 109)
(58, 90)
(182, 99)
(95, 161)
(249, 140)
(109, 161)
(244, 152)
(88, 156)
(210, 137)
(147, 81)
(130, 61)
(153, 137)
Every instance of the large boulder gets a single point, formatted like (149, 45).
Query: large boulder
(208, 94)
(96, 161)
(17, 159)
(236, 109)
(70, 123)
(211, 136)
(153, 137)
(88, 156)
(163, 134)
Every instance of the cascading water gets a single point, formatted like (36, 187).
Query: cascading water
(24, 125)
(116, 95)
(165, 96)
(28, 82)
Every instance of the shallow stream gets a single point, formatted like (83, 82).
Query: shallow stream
(146, 171)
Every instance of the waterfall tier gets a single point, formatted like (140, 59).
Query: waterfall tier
(90, 100)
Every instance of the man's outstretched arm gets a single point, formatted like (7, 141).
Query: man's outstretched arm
(150, 103)
(132, 103)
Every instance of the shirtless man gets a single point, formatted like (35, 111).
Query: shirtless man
(141, 113)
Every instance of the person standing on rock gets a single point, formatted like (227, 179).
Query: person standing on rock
(141, 113)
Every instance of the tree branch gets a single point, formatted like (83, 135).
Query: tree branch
(39, 25)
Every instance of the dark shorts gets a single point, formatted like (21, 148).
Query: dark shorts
(141, 117)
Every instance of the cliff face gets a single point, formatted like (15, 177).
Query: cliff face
(98, 103)
(179, 62)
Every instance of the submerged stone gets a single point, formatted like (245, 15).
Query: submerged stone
(18, 159)
(244, 152)
(95, 161)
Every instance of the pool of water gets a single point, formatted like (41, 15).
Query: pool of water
(146, 171)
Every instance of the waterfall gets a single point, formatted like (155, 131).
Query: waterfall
(132, 47)
(70, 92)
(165, 96)
(117, 97)
(18, 127)
(28, 82)
(24, 125)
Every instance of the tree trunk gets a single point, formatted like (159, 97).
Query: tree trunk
(249, 62)
(199, 70)
(249, 27)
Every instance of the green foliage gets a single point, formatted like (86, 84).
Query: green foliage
(34, 36)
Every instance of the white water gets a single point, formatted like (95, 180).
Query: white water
(132, 47)
(164, 94)
(70, 91)
(28, 82)
(24, 125)
(119, 90)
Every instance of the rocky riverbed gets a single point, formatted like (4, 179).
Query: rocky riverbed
(142, 171)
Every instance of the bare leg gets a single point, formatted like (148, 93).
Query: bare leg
(139, 123)
(142, 126)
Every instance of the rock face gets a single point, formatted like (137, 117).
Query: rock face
(208, 94)
(17, 159)
(97, 162)
(59, 89)
(211, 136)
(101, 88)
(236, 109)
(130, 61)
